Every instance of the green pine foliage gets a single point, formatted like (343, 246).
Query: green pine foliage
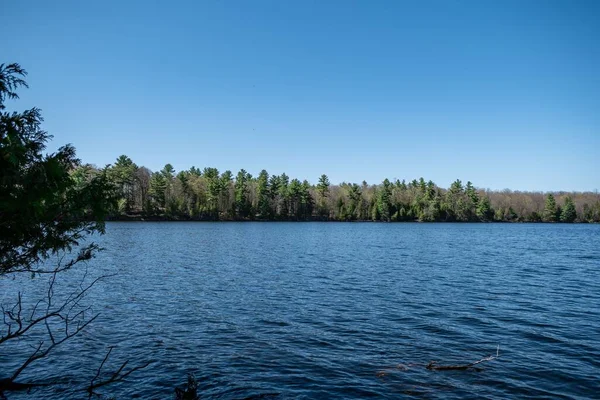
(48, 202)
(568, 212)
(551, 212)
(210, 195)
(484, 210)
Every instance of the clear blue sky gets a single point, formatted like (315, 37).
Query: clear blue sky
(503, 93)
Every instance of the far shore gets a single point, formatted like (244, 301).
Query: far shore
(165, 218)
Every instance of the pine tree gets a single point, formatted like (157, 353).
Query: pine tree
(484, 209)
(214, 188)
(354, 196)
(262, 189)
(242, 204)
(472, 194)
(323, 192)
(158, 185)
(122, 173)
(550, 210)
(323, 186)
(383, 200)
(568, 213)
(295, 193)
(283, 195)
(306, 200)
(226, 206)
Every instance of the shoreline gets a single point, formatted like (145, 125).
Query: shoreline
(158, 218)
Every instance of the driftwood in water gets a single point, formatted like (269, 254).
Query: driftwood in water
(433, 366)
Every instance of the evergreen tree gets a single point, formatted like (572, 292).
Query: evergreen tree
(168, 172)
(454, 204)
(323, 193)
(323, 186)
(225, 205)
(273, 187)
(472, 193)
(430, 194)
(283, 196)
(568, 213)
(306, 200)
(550, 210)
(123, 174)
(214, 189)
(383, 200)
(242, 204)
(262, 189)
(484, 210)
(295, 195)
(195, 171)
(354, 196)
(170, 201)
(422, 186)
(158, 186)
(184, 198)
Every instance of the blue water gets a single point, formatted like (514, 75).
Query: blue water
(319, 310)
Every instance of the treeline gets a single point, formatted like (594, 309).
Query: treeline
(208, 194)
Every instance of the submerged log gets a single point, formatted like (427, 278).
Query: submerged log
(433, 366)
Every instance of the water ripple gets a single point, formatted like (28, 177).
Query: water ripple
(315, 310)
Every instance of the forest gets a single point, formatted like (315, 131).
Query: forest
(210, 195)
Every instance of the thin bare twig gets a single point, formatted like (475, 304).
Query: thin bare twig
(38, 353)
(69, 312)
(116, 376)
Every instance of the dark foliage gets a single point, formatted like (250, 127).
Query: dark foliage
(43, 207)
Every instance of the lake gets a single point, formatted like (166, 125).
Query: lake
(330, 310)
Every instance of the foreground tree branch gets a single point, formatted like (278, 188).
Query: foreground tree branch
(116, 376)
(60, 320)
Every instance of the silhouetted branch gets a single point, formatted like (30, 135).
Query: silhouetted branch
(39, 353)
(60, 321)
(116, 376)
